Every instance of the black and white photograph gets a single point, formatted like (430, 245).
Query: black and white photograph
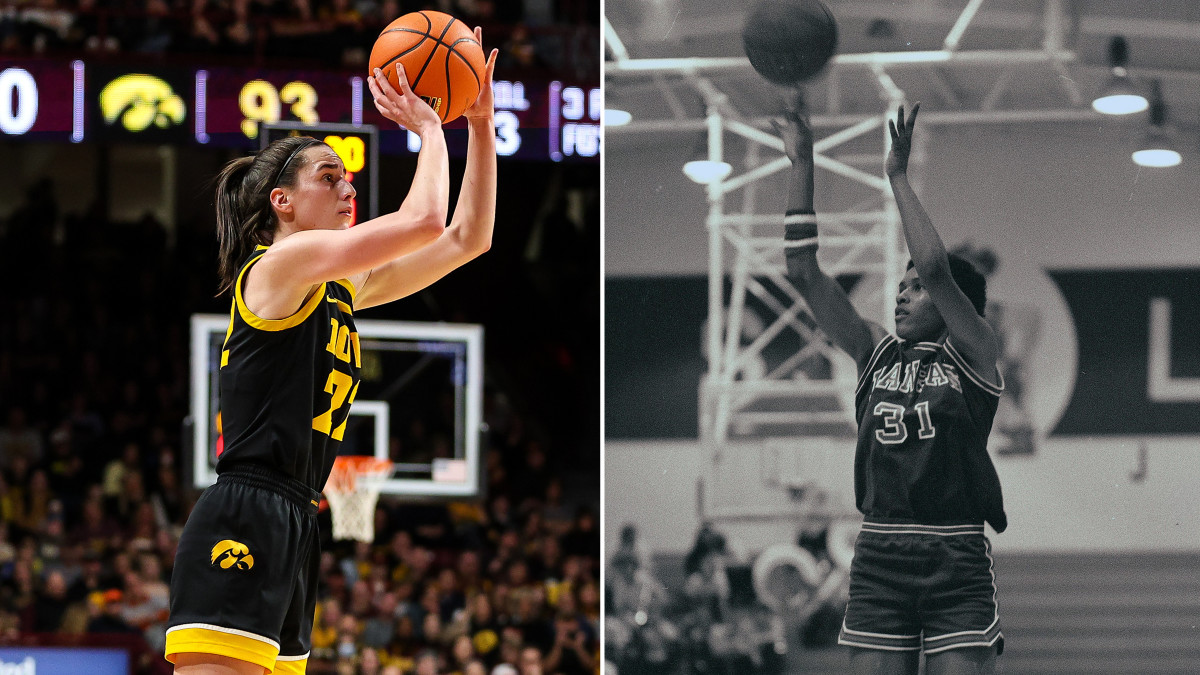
(900, 336)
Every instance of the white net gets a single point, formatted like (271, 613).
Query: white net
(352, 491)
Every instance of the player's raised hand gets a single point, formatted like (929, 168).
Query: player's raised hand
(901, 131)
(794, 128)
(402, 107)
(483, 107)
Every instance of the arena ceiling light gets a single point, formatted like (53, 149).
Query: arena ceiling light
(705, 171)
(1156, 148)
(615, 117)
(1120, 96)
(706, 166)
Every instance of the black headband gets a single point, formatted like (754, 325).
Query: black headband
(309, 141)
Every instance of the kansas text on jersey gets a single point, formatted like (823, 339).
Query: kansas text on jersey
(286, 385)
(923, 421)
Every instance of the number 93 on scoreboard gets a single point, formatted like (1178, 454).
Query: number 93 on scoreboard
(419, 405)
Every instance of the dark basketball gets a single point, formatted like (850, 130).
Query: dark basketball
(789, 41)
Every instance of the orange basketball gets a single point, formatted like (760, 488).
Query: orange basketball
(442, 60)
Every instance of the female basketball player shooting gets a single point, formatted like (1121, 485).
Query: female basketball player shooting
(921, 580)
(244, 586)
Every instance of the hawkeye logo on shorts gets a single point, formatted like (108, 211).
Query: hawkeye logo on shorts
(229, 553)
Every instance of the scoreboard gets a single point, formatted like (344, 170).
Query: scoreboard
(81, 101)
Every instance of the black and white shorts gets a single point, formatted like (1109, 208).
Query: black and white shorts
(922, 588)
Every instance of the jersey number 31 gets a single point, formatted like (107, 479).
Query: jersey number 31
(894, 430)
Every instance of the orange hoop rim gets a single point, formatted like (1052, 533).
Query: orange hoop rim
(347, 469)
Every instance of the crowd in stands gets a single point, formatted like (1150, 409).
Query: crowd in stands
(557, 35)
(707, 616)
(94, 361)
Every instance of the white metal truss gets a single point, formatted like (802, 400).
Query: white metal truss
(746, 398)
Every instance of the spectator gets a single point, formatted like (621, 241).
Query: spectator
(51, 604)
(635, 601)
(96, 531)
(91, 577)
(583, 540)
(404, 642)
(106, 614)
(378, 628)
(531, 661)
(347, 640)
(31, 504)
(145, 610)
(65, 469)
(519, 51)
(116, 470)
(427, 663)
(451, 598)
(481, 626)
(431, 628)
(368, 662)
(627, 543)
(7, 551)
(557, 516)
(570, 653)
(18, 439)
(325, 629)
(462, 652)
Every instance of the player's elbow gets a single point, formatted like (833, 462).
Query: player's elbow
(472, 235)
(429, 227)
(481, 245)
(474, 245)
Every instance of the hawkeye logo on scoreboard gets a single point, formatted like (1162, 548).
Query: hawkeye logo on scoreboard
(138, 101)
(1138, 369)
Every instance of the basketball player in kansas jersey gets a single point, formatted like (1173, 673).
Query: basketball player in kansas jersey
(922, 578)
(244, 587)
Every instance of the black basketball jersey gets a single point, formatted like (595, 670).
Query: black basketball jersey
(286, 385)
(923, 421)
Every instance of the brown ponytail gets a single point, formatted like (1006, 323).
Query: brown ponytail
(245, 218)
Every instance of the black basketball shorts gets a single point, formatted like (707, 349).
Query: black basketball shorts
(244, 583)
(922, 587)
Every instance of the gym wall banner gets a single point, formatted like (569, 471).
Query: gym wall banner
(1137, 336)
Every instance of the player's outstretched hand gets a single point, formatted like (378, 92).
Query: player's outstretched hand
(794, 129)
(483, 107)
(402, 107)
(901, 131)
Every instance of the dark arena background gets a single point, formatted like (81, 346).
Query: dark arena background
(114, 118)
(729, 425)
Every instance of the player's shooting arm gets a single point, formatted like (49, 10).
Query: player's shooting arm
(470, 231)
(828, 301)
(313, 256)
(972, 335)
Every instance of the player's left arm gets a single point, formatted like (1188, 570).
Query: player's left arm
(469, 234)
(973, 336)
